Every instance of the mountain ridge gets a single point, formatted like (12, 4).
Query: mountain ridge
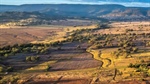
(141, 1)
(108, 11)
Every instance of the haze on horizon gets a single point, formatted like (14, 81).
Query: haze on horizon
(133, 3)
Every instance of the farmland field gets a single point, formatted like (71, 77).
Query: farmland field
(25, 35)
(19, 35)
(77, 54)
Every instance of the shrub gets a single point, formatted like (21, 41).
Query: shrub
(6, 55)
(1, 69)
(37, 58)
(130, 65)
(13, 79)
(32, 58)
(142, 61)
(136, 66)
(28, 58)
(9, 69)
(48, 68)
(134, 49)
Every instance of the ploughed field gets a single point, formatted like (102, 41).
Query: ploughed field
(67, 58)
(10, 35)
(25, 35)
(73, 58)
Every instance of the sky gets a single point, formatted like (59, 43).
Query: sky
(20, 2)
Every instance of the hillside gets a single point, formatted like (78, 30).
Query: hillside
(111, 12)
(27, 18)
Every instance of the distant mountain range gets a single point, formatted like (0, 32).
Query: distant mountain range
(141, 1)
(111, 11)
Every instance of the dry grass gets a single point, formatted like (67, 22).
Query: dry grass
(120, 27)
(64, 33)
(81, 62)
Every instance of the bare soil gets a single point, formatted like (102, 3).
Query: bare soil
(25, 35)
(68, 58)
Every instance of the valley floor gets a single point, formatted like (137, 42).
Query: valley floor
(86, 54)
